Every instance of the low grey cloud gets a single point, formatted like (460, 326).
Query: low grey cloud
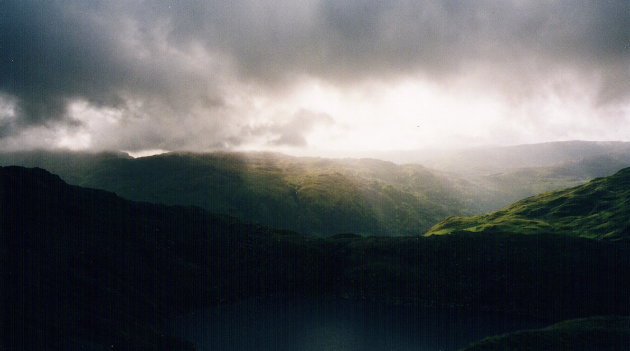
(294, 131)
(171, 68)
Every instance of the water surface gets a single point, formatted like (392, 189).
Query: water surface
(340, 325)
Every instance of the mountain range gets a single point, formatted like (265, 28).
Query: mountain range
(310, 195)
(325, 197)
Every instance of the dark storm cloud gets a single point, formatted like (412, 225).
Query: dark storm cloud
(109, 53)
(350, 39)
(52, 52)
(49, 53)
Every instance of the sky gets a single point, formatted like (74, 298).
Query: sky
(311, 76)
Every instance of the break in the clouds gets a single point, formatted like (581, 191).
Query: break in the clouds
(354, 74)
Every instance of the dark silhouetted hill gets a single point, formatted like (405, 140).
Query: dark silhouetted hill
(83, 266)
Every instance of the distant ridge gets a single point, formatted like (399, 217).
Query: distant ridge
(485, 160)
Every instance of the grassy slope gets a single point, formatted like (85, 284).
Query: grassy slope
(598, 209)
(310, 195)
(609, 333)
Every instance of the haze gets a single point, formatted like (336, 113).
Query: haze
(311, 77)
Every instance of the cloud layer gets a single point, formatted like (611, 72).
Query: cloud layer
(192, 74)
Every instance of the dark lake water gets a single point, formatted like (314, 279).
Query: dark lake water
(337, 325)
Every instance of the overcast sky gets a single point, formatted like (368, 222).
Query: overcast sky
(308, 76)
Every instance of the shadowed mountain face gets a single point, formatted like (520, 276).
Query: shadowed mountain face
(85, 267)
(587, 334)
(598, 209)
(310, 195)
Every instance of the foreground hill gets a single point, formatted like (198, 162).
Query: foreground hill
(86, 269)
(309, 195)
(598, 333)
(82, 267)
(598, 209)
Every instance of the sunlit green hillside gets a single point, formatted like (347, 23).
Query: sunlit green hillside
(597, 209)
(585, 334)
